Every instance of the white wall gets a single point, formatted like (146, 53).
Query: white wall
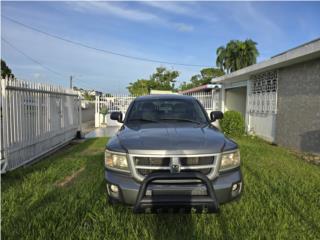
(235, 99)
(235, 96)
(263, 125)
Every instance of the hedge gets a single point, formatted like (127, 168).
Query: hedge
(232, 123)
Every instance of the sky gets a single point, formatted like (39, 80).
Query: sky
(179, 32)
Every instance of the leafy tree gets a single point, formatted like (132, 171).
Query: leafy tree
(205, 77)
(236, 55)
(139, 87)
(162, 79)
(5, 70)
(88, 97)
(207, 74)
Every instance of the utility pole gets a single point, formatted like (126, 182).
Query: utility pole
(71, 81)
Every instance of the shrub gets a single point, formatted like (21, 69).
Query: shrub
(232, 123)
(104, 111)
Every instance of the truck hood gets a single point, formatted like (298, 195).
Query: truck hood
(171, 138)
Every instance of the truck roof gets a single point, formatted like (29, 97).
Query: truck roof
(164, 96)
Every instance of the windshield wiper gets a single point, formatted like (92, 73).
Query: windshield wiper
(181, 120)
(142, 120)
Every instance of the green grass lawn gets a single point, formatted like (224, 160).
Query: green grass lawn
(281, 200)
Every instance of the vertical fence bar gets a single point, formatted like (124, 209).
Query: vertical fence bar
(4, 140)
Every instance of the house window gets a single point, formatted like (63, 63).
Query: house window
(263, 93)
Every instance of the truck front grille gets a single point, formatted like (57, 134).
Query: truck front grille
(145, 165)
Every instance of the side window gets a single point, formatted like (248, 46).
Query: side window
(135, 110)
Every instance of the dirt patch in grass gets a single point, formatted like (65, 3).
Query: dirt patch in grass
(68, 179)
(308, 157)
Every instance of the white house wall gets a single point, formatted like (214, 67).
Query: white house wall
(259, 108)
(262, 105)
(236, 100)
(263, 126)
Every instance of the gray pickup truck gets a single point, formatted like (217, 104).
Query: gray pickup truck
(167, 156)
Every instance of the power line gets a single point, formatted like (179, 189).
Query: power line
(42, 65)
(99, 49)
(77, 81)
(32, 59)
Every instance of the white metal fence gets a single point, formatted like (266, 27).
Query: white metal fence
(121, 102)
(209, 100)
(118, 102)
(35, 119)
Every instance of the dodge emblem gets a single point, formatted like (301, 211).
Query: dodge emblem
(175, 165)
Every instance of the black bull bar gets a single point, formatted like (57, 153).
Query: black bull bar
(154, 202)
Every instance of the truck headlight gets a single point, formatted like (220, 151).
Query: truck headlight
(116, 161)
(230, 160)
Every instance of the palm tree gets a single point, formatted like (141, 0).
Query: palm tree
(236, 55)
(221, 58)
(251, 52)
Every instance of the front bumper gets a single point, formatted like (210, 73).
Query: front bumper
(128, 188)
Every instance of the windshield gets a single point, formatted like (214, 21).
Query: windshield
(161, 110)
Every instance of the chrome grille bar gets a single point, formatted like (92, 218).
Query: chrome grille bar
(152, 167)
(197, 167)
(168, 168)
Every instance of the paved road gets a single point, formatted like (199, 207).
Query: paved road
(102, 132)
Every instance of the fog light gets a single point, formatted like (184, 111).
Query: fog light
(236, 189)
(114, 188)
(235, 186)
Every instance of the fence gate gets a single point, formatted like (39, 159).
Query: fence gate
(106, 105)
(35, 119)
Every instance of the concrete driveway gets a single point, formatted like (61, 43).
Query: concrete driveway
(103, 132)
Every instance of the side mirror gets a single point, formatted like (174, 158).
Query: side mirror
(214, 115)
(116, 116)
